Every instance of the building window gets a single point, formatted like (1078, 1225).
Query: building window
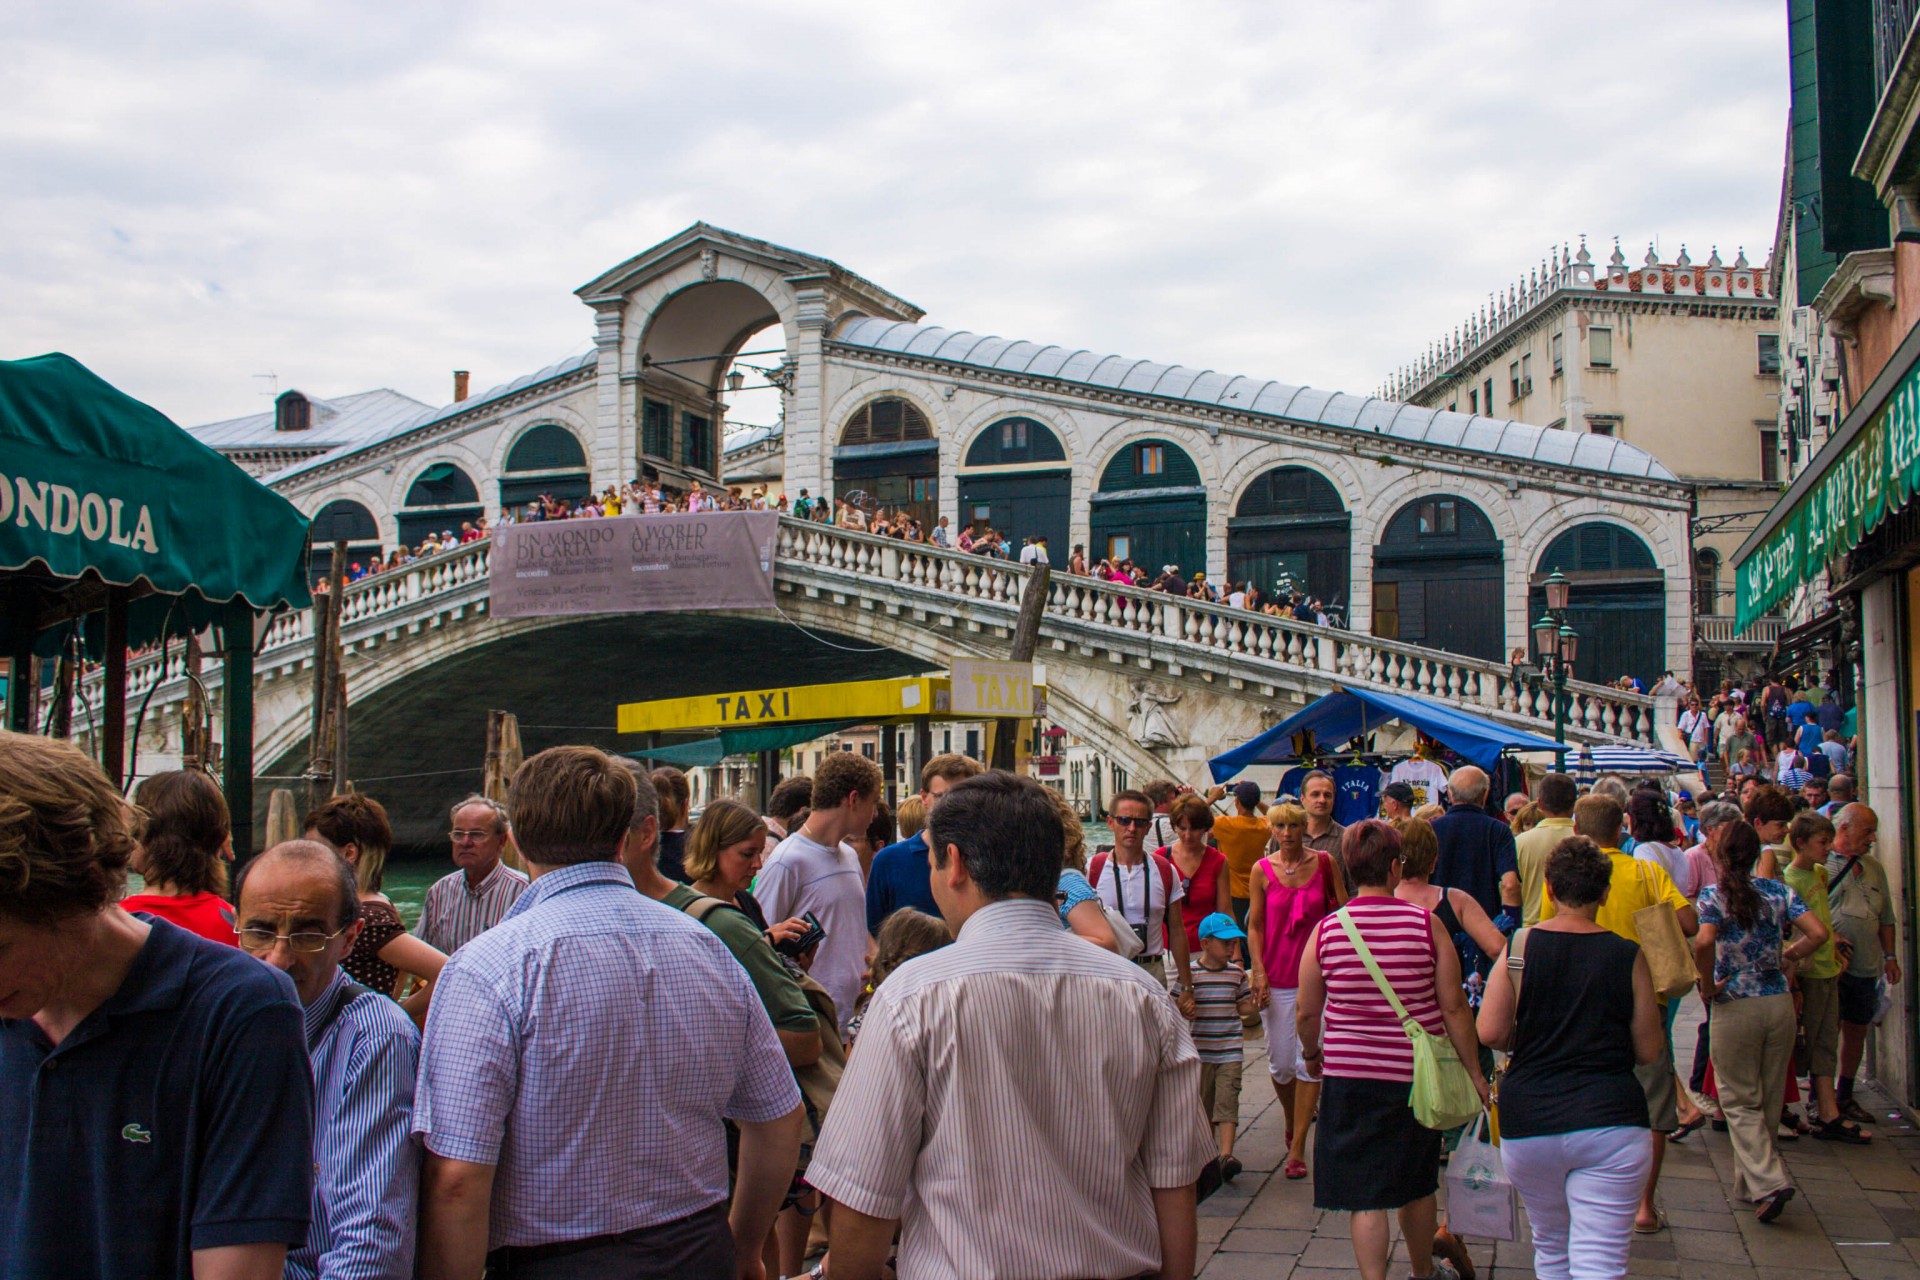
(1453, 406)
(922, 488)
(1770, 455)
(1769, 355)
(1600, 348)
(292, 412)
(1119, 547)
(973, 743)
(656, 429)
(1150, 460)
(1386, 610)
(1706, 581)
(1513, 381)
(1473, 402)
(1013, 433)
(1558, 347)
(982, 515)
(1439, 516)
(866, 749)
(696, 442)
(1486, 395)
(1526, 374)
(1602, 426)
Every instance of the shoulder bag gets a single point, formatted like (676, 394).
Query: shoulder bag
(1443, 1096)
(1665, 946)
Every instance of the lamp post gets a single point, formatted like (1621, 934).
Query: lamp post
(1558, 645)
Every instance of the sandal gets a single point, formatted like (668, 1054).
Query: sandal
(1295, 1170)
(1659, 1224)
(1449, 1247)
(1837, 1130)
(1767, 1208)
(1688, 1129)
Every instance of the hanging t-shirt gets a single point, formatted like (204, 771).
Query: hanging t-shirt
(1356, 793)
(1292, 781)
(1428, 780)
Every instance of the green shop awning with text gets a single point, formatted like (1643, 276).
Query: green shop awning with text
(95, 485)
(1873, 470)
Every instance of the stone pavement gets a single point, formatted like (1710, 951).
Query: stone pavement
(1857, 1212)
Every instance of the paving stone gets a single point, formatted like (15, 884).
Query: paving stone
(1259, 1240)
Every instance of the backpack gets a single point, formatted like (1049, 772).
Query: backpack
(1165, 866)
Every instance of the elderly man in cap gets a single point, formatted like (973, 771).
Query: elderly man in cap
(300, 913)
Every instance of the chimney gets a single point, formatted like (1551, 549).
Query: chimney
(459, 385)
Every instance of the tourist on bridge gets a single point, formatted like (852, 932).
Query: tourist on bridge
(1371, 1156)
(1576, 1007)
(181, 1105)
(1131, 879)
(462, 906)
(898, 877)
(299, 910)
(1290, 892)
(570, 1096)
(968, 1087)
(183, 845)
(384, 952)
(814, 871)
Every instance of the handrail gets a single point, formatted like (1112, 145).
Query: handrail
(1189, 631)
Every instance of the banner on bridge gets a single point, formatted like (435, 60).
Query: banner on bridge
(635, 564)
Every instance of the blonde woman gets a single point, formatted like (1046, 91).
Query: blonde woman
(1076, 900)
(1290, 891)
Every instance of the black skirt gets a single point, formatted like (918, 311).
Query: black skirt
(1368, 1150)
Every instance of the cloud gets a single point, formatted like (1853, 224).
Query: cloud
(353, 195)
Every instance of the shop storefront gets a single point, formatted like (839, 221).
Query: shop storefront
(1851, 521)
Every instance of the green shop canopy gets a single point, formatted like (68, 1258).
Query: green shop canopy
(1868, 471)
(740, 742)
(99, 490)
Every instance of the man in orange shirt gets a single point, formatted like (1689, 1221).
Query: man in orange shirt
(1242, 837)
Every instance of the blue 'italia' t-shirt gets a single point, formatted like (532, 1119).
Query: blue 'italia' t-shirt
(1356, 794)
(177, 1116)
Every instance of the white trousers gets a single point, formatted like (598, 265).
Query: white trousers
(1283, 1037)
(1581, 1190)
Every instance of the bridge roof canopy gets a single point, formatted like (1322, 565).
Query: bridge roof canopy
(1367, 415)
(1345, 714)
(105, 491)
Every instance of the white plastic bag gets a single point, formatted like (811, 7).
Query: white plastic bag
(1480, 1198)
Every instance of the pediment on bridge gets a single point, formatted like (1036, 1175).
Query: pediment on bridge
(705, 243)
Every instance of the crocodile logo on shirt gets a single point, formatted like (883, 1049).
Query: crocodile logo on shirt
(134, 1133)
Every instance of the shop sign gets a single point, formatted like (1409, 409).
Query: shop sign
(1876, 476)
(634, 564)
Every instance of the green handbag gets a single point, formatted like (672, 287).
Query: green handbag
(1443, 1096)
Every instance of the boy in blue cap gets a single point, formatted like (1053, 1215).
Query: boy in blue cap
(1221, 998)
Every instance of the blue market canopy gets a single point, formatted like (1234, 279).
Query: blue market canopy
(1598, 760)
(1348, 713)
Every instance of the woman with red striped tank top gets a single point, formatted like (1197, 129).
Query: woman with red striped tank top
(1370, 1154)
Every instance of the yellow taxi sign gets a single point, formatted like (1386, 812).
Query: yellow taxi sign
(992, 689)
(848, 700)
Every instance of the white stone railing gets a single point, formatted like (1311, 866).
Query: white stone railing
(1712, 628)
(1196, 634)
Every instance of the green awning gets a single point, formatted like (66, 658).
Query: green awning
(740, 742)
(1866, 472)
(98, 489)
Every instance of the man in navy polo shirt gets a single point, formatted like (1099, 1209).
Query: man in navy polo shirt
(900, 875)
(156, 1111)
(1477, 854)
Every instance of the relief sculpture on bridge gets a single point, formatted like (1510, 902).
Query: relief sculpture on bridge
(1149, 723)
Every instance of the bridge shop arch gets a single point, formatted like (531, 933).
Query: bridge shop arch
(1438, 578)
(887, 456)
(1291, 527)
(1151, 508)
(1617, 602)
(546, 459)
(343, 520)
(439, 499)
(1017, 479)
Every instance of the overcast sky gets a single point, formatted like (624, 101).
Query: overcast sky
(354, 195)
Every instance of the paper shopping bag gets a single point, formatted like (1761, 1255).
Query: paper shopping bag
(1480, 1199)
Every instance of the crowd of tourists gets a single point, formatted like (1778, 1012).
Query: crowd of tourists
(809, 1037)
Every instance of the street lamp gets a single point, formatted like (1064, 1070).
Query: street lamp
(1558, 645)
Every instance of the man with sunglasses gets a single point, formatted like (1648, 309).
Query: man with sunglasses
(299, 912)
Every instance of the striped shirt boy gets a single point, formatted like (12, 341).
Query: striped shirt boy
(1216, 1020)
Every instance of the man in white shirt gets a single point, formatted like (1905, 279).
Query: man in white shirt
(1696, 726)
(815, 870)
(1145, 888)
(969, 1089)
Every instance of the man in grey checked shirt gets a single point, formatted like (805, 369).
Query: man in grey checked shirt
(580, 1057)
(965, 1117)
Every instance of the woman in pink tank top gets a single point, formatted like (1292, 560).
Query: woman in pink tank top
(1290, 892)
